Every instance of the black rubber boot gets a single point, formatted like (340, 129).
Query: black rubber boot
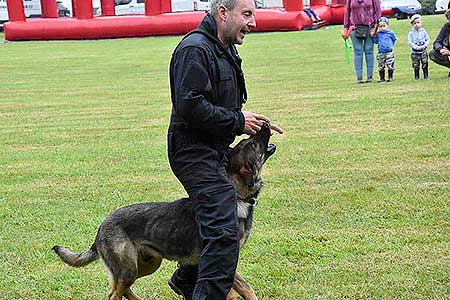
(183, 280)
(417, 74)
(390, 75)
(382, 76)
(425, 73)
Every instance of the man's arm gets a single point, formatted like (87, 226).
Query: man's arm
(191, 85)
(438, 42)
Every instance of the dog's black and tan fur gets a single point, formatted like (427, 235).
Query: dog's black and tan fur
(133, 240)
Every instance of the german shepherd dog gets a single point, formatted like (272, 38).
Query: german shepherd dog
(133, 240)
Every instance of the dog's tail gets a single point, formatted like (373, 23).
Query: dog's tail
(77, 259)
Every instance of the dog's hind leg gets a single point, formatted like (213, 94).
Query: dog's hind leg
(242, 288)
(116, 294)
(113, 284)
(122, 289)
(132, 267)
(120, 259)
(130, 295)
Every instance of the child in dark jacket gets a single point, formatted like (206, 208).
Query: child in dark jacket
(385, 39)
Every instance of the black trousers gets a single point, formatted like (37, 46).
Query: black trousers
(202, 171)
(439, 58)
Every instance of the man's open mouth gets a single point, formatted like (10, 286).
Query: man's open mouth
(245, 31)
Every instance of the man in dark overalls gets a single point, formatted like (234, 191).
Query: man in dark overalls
(440, 53)
(208, 91)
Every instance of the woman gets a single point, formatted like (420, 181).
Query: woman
(441, 46)
(362, 16)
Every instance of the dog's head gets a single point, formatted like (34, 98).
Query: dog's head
(246, 161)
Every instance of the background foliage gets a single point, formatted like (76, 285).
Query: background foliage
(428, 7)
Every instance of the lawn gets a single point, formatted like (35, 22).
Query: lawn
(356, 199)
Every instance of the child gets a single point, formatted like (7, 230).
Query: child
(385, 39)
(418, 40)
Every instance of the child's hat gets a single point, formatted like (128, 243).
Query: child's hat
(414, 18)
(383, 20)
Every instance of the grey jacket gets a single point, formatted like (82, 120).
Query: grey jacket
(417, 38)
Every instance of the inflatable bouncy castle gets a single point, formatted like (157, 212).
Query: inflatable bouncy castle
(157, 20)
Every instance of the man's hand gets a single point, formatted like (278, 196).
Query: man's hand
(253, 123)
(444, 51)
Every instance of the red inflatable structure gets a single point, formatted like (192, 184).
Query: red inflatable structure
(158, 20)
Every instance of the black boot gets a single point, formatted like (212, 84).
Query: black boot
(382, 74)
(417, 74)
(183, 280)
(390, 75)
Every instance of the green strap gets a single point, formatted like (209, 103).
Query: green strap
(347, 47)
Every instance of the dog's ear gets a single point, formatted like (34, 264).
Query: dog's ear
(247, 176)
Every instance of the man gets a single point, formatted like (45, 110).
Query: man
(208, 91)
(440, 53)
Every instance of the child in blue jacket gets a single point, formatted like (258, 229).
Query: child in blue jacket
(385, 38)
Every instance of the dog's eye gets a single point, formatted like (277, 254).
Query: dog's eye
(251, 167)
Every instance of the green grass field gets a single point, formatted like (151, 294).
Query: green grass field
(356, 199)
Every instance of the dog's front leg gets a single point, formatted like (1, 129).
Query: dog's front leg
(241, 287)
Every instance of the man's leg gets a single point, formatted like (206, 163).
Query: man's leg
(439, 58)
(216, 215)
(215, 211)
(202, 171)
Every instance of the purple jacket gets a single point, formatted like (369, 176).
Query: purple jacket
(361, 12)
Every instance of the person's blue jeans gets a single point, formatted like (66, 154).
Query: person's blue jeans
(361, 48)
